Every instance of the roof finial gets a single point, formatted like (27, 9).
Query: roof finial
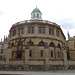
(36, 6)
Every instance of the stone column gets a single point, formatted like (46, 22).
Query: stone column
(7, 57)
(65, 57)
(46, 56)
(27, 57)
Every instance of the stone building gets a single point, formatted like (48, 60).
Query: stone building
(70, 47)
(35, 44)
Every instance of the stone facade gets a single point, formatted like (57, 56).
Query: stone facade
(34, 44)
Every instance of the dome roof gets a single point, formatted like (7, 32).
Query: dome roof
(36, 9)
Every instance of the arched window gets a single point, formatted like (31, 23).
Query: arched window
(52, 44)
(58, 45)
(41, 43)
(31, 43)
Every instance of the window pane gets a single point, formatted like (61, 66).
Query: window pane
(39, 29)
(32, 29)
(30, 53)
(19, 30)
(43, 30)
(37, 15)
(50, 31)
(41, 53)
(51, 53)
(28, 29)
(22, 30)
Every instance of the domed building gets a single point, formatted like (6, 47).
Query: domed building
(37, 44)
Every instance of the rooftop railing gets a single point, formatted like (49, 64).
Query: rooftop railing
(35, 21)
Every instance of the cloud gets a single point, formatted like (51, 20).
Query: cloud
(66, 23)
(1, 13)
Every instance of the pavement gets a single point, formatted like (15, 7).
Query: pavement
(72, 72)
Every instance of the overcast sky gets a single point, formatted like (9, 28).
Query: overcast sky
(61, 12)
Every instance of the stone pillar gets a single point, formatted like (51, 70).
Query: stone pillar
(46, 56)
(27, 57)
(65, 57)
(7, 56)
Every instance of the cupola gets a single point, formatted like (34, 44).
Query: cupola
(36, 14)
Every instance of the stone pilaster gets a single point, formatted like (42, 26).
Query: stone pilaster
(65, 57)
(46, 56)
(27, 57)
(7, 56)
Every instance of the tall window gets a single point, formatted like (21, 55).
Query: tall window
(30, 53)
(37, 15)
(30, 29)
(34, 15)
(50, 31)
(14, 32)
(41, 53)
(21, 30)
(42, 30)
(39, 29)
(51, 53)
(58, 54)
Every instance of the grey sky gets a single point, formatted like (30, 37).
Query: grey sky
(60, 11)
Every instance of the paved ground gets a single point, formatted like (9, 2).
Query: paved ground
(38, 73)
